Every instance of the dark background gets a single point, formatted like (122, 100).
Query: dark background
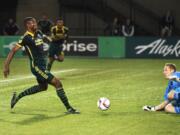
(89, 18)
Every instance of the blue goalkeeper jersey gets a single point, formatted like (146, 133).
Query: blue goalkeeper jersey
(172, 85)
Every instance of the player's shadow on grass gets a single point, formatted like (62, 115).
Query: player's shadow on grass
(36, 118)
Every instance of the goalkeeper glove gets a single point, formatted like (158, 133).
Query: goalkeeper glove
(149, 108)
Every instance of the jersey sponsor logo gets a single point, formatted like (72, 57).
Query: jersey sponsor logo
(39, 42)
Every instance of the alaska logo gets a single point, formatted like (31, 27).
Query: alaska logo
(159, 47)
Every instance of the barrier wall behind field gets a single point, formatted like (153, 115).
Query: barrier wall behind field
(108, 47)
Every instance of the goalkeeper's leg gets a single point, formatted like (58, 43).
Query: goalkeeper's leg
(171, 109)
(173, 106)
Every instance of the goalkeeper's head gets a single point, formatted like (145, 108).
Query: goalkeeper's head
(169, 68)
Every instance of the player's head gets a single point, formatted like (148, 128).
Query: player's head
(30, 24)
(59, 22)
(44, 16)
(169, 68)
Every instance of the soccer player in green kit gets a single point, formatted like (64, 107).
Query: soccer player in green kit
(32, 40)
(59, 34)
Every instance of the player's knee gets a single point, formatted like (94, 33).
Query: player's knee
(43, 87)
(57, 83)
(51, 59)
(169, 108)
(60, 59)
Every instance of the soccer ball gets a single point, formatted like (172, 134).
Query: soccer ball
(103, 103)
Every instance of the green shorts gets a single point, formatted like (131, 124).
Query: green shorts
(55, 49)
(41, 74)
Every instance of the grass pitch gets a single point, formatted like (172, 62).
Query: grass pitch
(128, 83)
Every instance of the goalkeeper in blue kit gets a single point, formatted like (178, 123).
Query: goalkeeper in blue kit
(171, 103)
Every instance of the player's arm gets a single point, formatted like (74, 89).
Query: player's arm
(45, 37)
(66, 36)
(66, 29)
(53, 33)
(9, 58)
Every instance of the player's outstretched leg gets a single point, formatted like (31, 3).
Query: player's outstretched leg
(29, 91)
(50, 62)
(62, 96)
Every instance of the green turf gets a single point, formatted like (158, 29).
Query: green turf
(128, 83)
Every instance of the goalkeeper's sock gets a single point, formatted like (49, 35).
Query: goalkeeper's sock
(61, 94)
(29, 91)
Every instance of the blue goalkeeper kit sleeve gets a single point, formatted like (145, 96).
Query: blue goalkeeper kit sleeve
(172, 85)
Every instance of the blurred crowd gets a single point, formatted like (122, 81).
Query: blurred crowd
(12, 28)
(125, 28)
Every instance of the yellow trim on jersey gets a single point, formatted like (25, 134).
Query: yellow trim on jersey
(30, 53)
(18, 45)
(31, 56)
(30, 33)
(33, 64)
(63, 30)
(41, 72)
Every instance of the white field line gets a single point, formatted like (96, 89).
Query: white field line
(31, 76)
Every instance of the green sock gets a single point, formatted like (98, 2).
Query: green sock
(61, 94)
(29, 91)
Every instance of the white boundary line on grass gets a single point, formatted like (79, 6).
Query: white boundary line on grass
(31, 76)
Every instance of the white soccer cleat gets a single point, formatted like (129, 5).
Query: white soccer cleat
(148, 108)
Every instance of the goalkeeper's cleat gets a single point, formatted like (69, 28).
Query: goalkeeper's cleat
(13, 100)
(72, 111)
(148, 108)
